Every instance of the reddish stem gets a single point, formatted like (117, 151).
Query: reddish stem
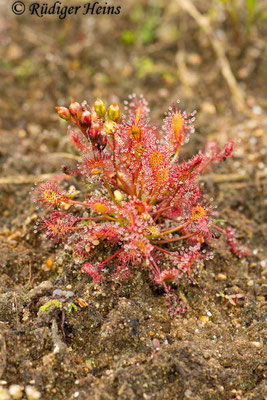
(175, 239)
(219, 229)
(111, 257)
(166, 252)
(155, 268)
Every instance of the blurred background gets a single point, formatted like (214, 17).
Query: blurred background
(154, 47)
(163, 49)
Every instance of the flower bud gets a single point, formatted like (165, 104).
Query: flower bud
(64, 113)
(110, 127)
(86, 118)
(75, 108)
(118, 195)
(101, 208)
(100, 108)
(114, 112)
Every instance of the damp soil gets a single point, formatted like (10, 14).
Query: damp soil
(106, 349)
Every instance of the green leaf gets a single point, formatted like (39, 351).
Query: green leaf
(250, 10)
(72, 306)
(128, 37)
(251, 6)
(49, 304)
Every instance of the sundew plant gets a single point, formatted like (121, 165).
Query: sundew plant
(148, 199)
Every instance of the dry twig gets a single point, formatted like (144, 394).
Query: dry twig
(22, 179)
(203, 22)
(3, 352)
(64, 155)
(224, 178)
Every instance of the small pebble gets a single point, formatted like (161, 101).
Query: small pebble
(209, 314)
(221, 277)
(256, 344)
(188, 393)
(15, 391)
(49, 263)
(257, 110)
(32, 393)
(208, 108)
(4, 395)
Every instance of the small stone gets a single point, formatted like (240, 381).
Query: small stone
(257, 110)
(209, 314)
(49, 263)
(14, 52)
(4, 395)
(162, 92)
(15, 391)
(22, 133)
(221, 277)
(206, 354)
(256, 344)
(194, 58)
(48, 359)
(208, 108)
(34, 129)
(188, 393)
(235, 289)
(32, 393)
(221, 388)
